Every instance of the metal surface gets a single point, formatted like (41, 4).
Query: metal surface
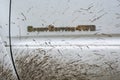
(63, 55)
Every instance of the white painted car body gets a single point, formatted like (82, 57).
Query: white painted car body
(98, 51)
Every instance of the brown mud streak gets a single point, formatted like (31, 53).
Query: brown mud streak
(97, 18)
(23, 16)
(6, 73)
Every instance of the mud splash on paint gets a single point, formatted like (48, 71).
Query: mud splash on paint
(40, 65)
(6, 73)
(35, 67)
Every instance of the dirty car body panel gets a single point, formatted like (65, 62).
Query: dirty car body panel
(44, 52)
